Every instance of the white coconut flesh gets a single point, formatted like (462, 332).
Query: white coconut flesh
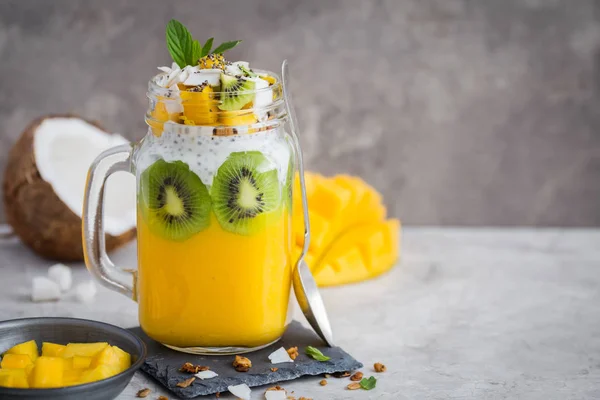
(64, 149)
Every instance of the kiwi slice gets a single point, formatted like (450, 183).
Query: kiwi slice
(244, 190)
(236, 92)
(174, 201)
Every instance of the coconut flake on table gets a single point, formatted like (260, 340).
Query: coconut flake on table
(44, 289)
(241, 391)
(61, 274)
(276, 395)
(64, 148)
(280, 356)
(208, 374)
(85, 291)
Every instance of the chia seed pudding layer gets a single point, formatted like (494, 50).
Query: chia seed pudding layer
(205, 154)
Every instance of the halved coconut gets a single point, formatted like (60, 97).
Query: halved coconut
(44, 186)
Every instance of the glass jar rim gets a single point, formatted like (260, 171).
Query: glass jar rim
(154, 89)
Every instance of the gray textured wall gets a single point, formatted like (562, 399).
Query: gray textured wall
(461, 112)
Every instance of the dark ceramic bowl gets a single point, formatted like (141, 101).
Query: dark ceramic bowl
(63, 331)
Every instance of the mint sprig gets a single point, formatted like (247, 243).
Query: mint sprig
(185, 50)
(223, 47)
(316, 354)
(206, 48)
(369, 383)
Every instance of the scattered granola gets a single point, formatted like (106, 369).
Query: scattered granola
(342, 374)
(162, 398)
(357, 376)
(327, 376)
(353, 386)
(242, 364)
(275, 388)
(143, 393)
(218, 394)
(323, 382)
(293, 352)
(187, 382)
(305, 398)
(192, 369)
(379, 367)
(274, 369)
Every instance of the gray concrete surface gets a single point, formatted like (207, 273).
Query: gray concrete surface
(467, 314)
(459, 111)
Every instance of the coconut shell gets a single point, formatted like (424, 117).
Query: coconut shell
(34, 211)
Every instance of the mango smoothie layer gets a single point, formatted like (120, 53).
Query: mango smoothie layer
(216, 288)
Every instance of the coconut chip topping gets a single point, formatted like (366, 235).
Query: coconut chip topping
(276, 394)
(206, 375)
(242, 364)
(280, 356)
(241, 391)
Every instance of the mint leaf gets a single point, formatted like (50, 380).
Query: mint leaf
(180, 44)
(316, 354)
(226, 46)
(196, 52)
(206, 48)
(368, 384)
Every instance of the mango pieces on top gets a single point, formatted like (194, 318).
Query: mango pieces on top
(60, 365)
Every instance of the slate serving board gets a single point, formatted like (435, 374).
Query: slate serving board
(163, 364)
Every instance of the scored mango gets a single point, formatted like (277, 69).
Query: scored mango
(351, 240)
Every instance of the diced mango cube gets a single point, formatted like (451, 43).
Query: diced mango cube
(15, 361)
(84, 349)
(102, 371)
(124, 358)
(13, 378)
(106, 356)
(28, 348)
(72, 376)
(28, 370)
(53, 349)
(48, 372)
(81, 362)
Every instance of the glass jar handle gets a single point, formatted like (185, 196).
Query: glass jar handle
(94, 246)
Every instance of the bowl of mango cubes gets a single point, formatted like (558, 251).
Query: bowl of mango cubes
(66, 359)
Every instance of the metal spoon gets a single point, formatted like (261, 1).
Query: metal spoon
(305, 287)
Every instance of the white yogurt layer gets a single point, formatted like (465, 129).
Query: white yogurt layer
(205, 154)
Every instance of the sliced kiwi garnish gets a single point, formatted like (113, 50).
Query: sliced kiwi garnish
(236, 92)
(244, 191)
(174, 201)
